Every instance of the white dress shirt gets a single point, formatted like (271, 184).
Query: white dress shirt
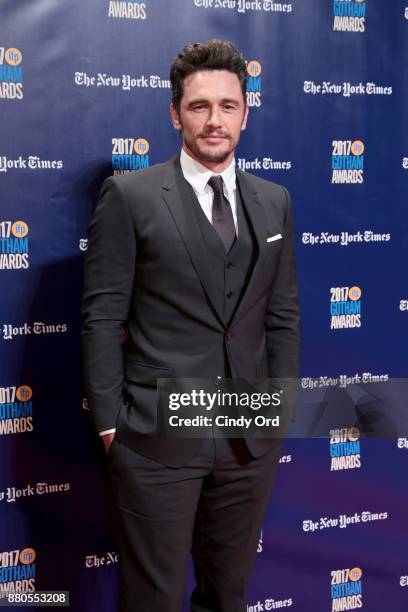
(198, 176)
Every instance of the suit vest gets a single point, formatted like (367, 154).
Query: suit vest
(230, 271)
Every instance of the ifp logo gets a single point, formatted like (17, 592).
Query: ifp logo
(13, 56)
(141, 146)
(24, 393)
(27, 556)
(19, 229)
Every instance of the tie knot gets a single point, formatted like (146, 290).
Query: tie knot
(217, 184)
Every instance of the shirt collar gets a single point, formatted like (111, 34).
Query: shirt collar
(198, 175)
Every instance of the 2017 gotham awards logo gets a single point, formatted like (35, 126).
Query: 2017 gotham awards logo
(17, 571)
(254, 83)
(16, 409)
(345, 449)
(11, 73)
(347, 161)
(129, 154)
(127, 9)
(14, 248)
(345, 307)
(346, 589)
(349, 15)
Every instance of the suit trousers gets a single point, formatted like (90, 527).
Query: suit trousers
(212, 507)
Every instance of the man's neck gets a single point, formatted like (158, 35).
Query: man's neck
(215, 167)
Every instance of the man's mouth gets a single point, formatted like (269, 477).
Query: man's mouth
(214, 138)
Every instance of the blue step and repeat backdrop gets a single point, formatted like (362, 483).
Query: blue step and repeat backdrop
(84, 93)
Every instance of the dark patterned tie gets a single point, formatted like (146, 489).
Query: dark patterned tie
(222, 218)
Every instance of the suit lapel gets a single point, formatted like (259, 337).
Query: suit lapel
(257, 219)
(179, 197)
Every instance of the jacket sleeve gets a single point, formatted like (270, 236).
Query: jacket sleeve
(282, 317)
(108, 284)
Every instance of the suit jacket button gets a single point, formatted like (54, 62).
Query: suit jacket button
(218, 381)
(229, 335)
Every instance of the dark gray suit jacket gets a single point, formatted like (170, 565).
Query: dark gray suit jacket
(150, 309)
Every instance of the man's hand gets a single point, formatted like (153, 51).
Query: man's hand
(107, 440)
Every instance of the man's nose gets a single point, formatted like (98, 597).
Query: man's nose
(214, 117)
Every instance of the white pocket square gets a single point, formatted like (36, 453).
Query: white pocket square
(272, 238)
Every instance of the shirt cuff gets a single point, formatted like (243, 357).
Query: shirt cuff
(107, 431)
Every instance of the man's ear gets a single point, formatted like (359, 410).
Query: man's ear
(175, 118)
(245, 119)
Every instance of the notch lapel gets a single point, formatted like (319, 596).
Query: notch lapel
(179, 197)
(258, 221)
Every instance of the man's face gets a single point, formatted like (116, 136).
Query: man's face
(211, 116)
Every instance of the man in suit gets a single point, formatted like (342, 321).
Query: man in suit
(190, 273)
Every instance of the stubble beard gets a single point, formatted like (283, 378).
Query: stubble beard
(206, 153)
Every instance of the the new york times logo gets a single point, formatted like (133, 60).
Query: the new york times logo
(101, 560)
(270, 604)
(244, 6)
(11, 494)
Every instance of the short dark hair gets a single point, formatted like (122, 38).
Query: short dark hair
(213, 55)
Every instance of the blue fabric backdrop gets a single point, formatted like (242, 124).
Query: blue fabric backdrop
(84, 93)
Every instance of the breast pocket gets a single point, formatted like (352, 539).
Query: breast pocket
(272, 238)
(274, 241)
(273, 246)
